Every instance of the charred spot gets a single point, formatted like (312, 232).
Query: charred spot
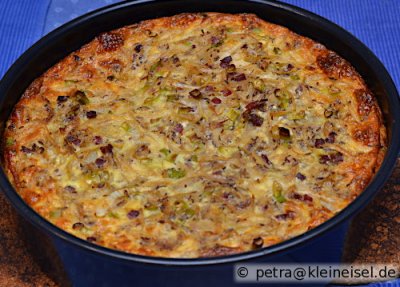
(110, 41)
(334, 65)
(76, 58)
(365, 101)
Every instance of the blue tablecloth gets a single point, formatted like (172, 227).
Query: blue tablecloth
(375, 22)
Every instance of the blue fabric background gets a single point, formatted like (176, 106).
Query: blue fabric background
(375, 22)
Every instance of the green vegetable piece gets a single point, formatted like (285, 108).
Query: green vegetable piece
(277, 192)
(10, 142)
(175, 173)
(295, 77)
(125, 126)
(56, 213)
(165, 151)
(259, 85)
(297, 115)
(82, 98)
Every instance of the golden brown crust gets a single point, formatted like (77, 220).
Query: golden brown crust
(282, 133)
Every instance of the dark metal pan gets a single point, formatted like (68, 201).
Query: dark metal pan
(116, 266)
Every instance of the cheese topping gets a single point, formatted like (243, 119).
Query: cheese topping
(195, 135)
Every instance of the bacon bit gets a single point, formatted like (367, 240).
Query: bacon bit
(263, 64)
(308, 198)
(98, 140)
(107, 149)
(62, 99)
(258, 242)
(254, 119)
(288, 67)
(266, 159)
(331, 138)
(300, 176)
(133, 214)
(74, 140)
(324, 159)
(287, 215)
(233, 76)
(335, 158)
(226, 92)
(215, 41)
(100, 162)
(78, 226)
(216, 101)
(196, 94)
(178, 128)
(91, 114)
(24, 149)
(319, 143)
(70, 189)
(138, 48)
(224, 63)
(305, 197)
(209, 89)
(259, 105)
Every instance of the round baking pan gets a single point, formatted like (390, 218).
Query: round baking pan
(71, 36)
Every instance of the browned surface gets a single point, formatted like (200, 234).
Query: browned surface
(374, 236)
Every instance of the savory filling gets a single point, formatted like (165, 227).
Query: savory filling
(199, 136)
